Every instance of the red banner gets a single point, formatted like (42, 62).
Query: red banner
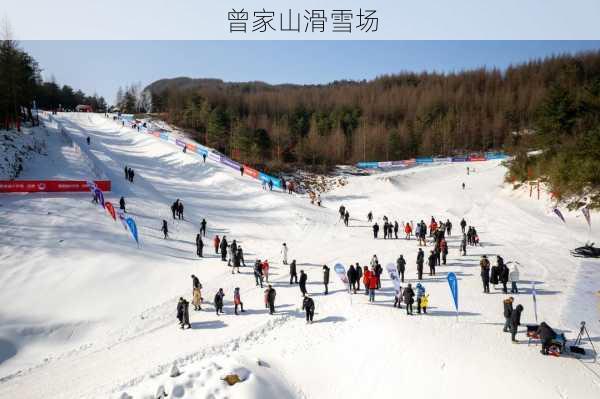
(50, 186)
(191, 147)
(476, 159)
(250, 172)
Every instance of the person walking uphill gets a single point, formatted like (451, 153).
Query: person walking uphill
(302, 283)
(515, 322)
(284, 254)
(199, 245)
(326, 278)
(183, 314)
(420, 261)
(223, 247)
(271, 299)
(293, 274)
(165, 229)
(308, 305)
(196, 293)
(219, 301)
(484, 263)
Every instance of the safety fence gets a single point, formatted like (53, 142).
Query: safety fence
(432, 160)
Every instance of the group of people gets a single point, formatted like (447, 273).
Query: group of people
(344, 215)
(129, 174)
(177, 209)
(500, 273)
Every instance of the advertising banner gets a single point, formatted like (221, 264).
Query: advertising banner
(201, 150)
(180, 143)
(442, 160)
(476, 158)
(367, 165)
(214, 157)
(164, 136)
(459, 159)
(424, 160)
(230, 163)
(251, 172)
(276, 182)
(411, 161)
(191, 147)
(50, 186)
(385, 164)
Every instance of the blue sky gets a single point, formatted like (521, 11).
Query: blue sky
(102, 66)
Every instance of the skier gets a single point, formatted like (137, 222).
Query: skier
(271, 299)
(396, 227)
(420, 261)
(223, 247)
(508, 308)
(372, 285)
(375, 230)
(431, 261)
(346, 218)
(351, 274)
(216, 243)
(122, 204)
(203, 228)
(513, 277)
(284, 253)
(219, 301)
(359, 273)
(308, 305)
(401, 267)
(293, 274)
(165, 229)
(237, 300)
(196, 293)
(408, 295)
(326, 278)
(515, 322)
(258, 276)
(199, 245)
(463, 224)
(484, 263)
(420, 294)
(370, 217)
(302, 282)
(408, 231)
(265, 270)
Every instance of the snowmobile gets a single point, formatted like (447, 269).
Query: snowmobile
(587, 251)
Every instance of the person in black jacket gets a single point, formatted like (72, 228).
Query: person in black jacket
(463, 225)
(308, 305)
(223, 247)
(484, 263)
(359, 273)
(515, 322)
(293, 274)
(546, 334)
(508, 309)
(375, 230)
(165, 229)
(326, 278)
(203, 227)
(420, 260)
(122, 204)
(199, 245)
(351, 273)
(408, 295)
(271, 298)
(401, 267)
(302, 283)
(503, 271)
(258, 274)
(183, 313)
(431, 261)
(219, 301)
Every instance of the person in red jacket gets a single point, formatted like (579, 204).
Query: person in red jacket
(373, 284)
(432, 227)
(217, 242)
(366, 278)
(408, 231)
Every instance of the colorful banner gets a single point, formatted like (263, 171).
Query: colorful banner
(191, 147)
(251, 172)
(213, 156)
(442, 160)
(265, 177)
(121, 215)
(200, 150)
(424, 160)
(476, 158)
(367, 165)
(340, 270)
(132, 228)
(164, 136)
(559, 214)
(386, 164)
(460, 159)
(230, 163)
(110, 209)
(453, 283)
(393, 273)
(51, 186)
(179, 143)
(411, 161)
(586, 214)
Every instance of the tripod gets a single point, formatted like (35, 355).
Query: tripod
(583, 330)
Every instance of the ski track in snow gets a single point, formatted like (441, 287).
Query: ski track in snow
(107, 321)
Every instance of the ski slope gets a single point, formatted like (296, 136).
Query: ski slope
(86, 314)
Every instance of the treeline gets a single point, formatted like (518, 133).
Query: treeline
(390, 118)
(21, 86)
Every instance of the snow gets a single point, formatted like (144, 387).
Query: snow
(85, 313)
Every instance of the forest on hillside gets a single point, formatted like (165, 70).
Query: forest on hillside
(389, 118)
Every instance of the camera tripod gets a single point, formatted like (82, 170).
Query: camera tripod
(580, 337)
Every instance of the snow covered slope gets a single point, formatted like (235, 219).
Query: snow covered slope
(85, 313)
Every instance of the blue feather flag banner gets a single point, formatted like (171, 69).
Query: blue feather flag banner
(132, 228)
(453, 283)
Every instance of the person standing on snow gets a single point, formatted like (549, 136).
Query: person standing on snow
(183, 313)
(463, 225)
(271, 299)
(515, 322)
(230, 251)
(448, 227)
(351, 274)
(407, 231)
(366, 278)
(370, 217)
(401, 267)
(508, 309)
(484, 263)
(420, 261)
(203, 228)
(513, 277)
(293, 274)
(180, 211)
(372, 285)
(174, 207)
(122, 204)
(326, 278)
(308, 305)
(346, 218)
(503, 274)
(165, 229)
(408, 295)
(302, 283)
(236, 261)
(359, 273)
(463, 245)
(258, 276)
(237, 300)
(284, 253)
(375, 230)
(396, 228)
(420, 294)
(495, 276)
(431, 263)
(444, 250)
(240, 257)
(342, 211)
(219, 301)
(265, 270)
(196, 293)
(223, 247)
(199, 245)
(270, 185)
(216, 243)
(385, 230)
